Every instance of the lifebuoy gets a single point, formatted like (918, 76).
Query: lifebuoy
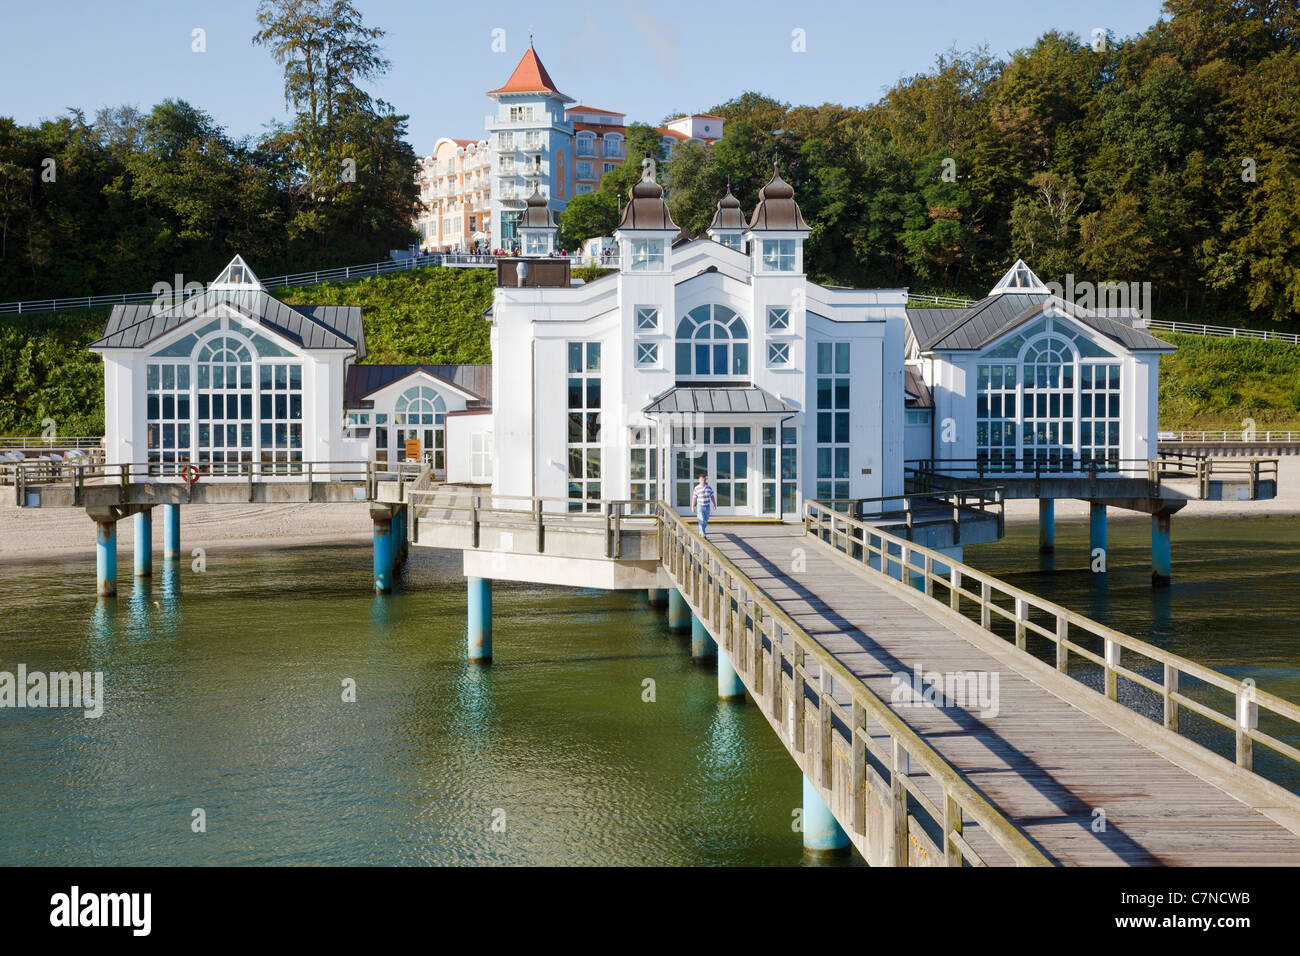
(190, 473)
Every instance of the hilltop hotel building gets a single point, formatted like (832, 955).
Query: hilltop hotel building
(535, 142)
(713, 356)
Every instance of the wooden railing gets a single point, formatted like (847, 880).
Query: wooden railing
(612, 516)
(80, 473)
(970, 503)
(1203, 470)
(772, 653)
(983, 598)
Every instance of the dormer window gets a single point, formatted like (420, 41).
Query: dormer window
(778, 255)
(647, 255)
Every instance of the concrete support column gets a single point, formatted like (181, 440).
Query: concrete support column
(143, 543)
(658, 597)
(1096, 531)
(385, 554)
(479, 630)
(1046, 525)
(1161, 551)
(399, 533)
(679, 614)
(822, 833)
(171, 532)
(730, 686)
(106, 558)
(702, 644)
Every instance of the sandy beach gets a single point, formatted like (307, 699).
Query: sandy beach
(33, 533)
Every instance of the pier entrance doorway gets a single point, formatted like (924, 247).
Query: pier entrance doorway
(727, 457)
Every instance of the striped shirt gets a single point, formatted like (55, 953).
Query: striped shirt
(702, 496)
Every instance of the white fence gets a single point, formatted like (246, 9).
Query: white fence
(341, 274)
(1254, 437)
(1221, 331)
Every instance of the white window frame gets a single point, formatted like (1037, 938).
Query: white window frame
(647, 354)
(778, 318)
(644, 312)
(647, 255)
(778, 354)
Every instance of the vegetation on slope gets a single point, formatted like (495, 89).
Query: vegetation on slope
(1219, 383)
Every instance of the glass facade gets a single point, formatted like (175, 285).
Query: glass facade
(1052, 404)
(833, 420)
(583, 439)
(224, 407)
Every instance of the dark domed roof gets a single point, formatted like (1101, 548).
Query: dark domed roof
(646, 208)
(729, 214)
(776, 207)
(537, 213)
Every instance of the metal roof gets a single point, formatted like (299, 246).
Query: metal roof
(365, 380)
(718, 400)
(309, 326)
(918, 393)
(978, 325)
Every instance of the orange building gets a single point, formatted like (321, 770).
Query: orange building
(455, 190)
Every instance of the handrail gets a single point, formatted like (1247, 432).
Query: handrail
(56, 441)
(855, 539)
(83, 472)
(725, 596)
(1242, 436)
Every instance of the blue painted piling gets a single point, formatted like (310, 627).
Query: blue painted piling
(143, 544)
(171, 532)
(479, 593)
(702, 644)
(658, 597)
(679, 614)
(106, 558)
(1046, 525)
(822, 833)
(1161, 551)
(1096, 532)
(385, 555)
(730, 686)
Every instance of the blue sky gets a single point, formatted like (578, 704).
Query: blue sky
(643, 59)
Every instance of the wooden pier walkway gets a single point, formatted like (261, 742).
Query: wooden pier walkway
(1081, 776)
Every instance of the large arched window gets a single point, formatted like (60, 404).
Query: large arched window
(1048, 401)
(712, 340)
(420, 414)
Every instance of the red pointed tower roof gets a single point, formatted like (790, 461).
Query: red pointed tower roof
(530, 76)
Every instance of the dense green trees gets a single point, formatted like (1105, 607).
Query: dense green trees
(130, 198)
(1172, 157)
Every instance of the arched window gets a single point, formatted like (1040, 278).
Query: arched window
(420, 405)
(1047, 405)
(712, 340)
(420, 414)
(225, 400)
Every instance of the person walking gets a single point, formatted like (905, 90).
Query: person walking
(702, 503)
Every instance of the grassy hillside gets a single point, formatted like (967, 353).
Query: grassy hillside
(1216, 383)
(436, 315)
(430, 315)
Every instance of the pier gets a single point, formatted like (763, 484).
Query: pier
(865, 653)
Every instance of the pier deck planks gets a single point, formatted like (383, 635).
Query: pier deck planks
(1043, 762)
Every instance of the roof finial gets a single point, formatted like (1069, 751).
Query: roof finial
(648, 168)
(530, 37)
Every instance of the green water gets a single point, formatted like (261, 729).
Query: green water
(224, 693)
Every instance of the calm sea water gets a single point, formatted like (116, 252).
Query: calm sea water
(224, 693)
